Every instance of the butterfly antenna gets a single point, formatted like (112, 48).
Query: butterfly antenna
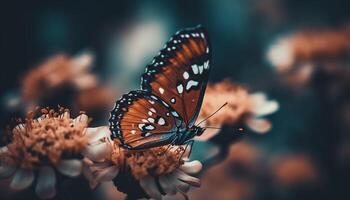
(211, 127)
(212, 114)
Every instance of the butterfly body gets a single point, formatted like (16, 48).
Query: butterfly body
(186, 135)
(164, 111)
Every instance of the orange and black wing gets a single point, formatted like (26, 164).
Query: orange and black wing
(141, 120)
(179, 74)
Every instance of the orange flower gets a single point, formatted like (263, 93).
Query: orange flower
(297, 56)
(54, 140)
(56, 72)
(241, 107)
(294, 169)
(106, 161)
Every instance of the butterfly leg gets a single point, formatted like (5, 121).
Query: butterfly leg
(172, 143)
(188, 143)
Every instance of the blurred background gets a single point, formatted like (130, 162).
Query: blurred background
(83, 55)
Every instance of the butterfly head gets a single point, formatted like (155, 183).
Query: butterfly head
(198, 131)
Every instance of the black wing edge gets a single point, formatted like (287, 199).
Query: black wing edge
(160, 60)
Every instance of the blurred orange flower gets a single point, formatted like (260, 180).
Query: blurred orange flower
(241, 107)
(294, 169)
(56, 72)
(298, 55)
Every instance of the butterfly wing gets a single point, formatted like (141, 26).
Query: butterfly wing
(179, 74)
(141, 120)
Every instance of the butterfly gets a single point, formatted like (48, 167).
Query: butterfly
(165, 109)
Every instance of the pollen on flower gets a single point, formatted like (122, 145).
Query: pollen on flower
(154, 161)
(47, 139)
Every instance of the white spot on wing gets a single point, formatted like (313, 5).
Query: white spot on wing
(141, 126)
(149, 127)
(147, 134)
(186, 75)
(174, 113)
(206, 64)
(173, 100)
(200, 69)
(195, 69)
(161, 121)
(190, 84)
(153, 110)
(161, 90)
(180, 89)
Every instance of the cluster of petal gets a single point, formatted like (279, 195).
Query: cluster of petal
(241, 107)
(39, 146)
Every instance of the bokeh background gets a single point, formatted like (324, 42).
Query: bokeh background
(295, 51)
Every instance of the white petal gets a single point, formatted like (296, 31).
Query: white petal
(92, 134)
(81, 119)
(149, 186)
(4, 149)
(180, 185)
(268, 108)
(22, 179)
(191, 167)
(65, 115)
(85, 81)
(6, 170)
(95, 134)
(261, 106)
(97, 152)
(107, 174)
(82, 62)
(20, 128)
(45, 187)
(258, 98)
(259, 125)
(167, 187)
(71, 167)
(89, 176)
(98, 166)
(193, 181)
